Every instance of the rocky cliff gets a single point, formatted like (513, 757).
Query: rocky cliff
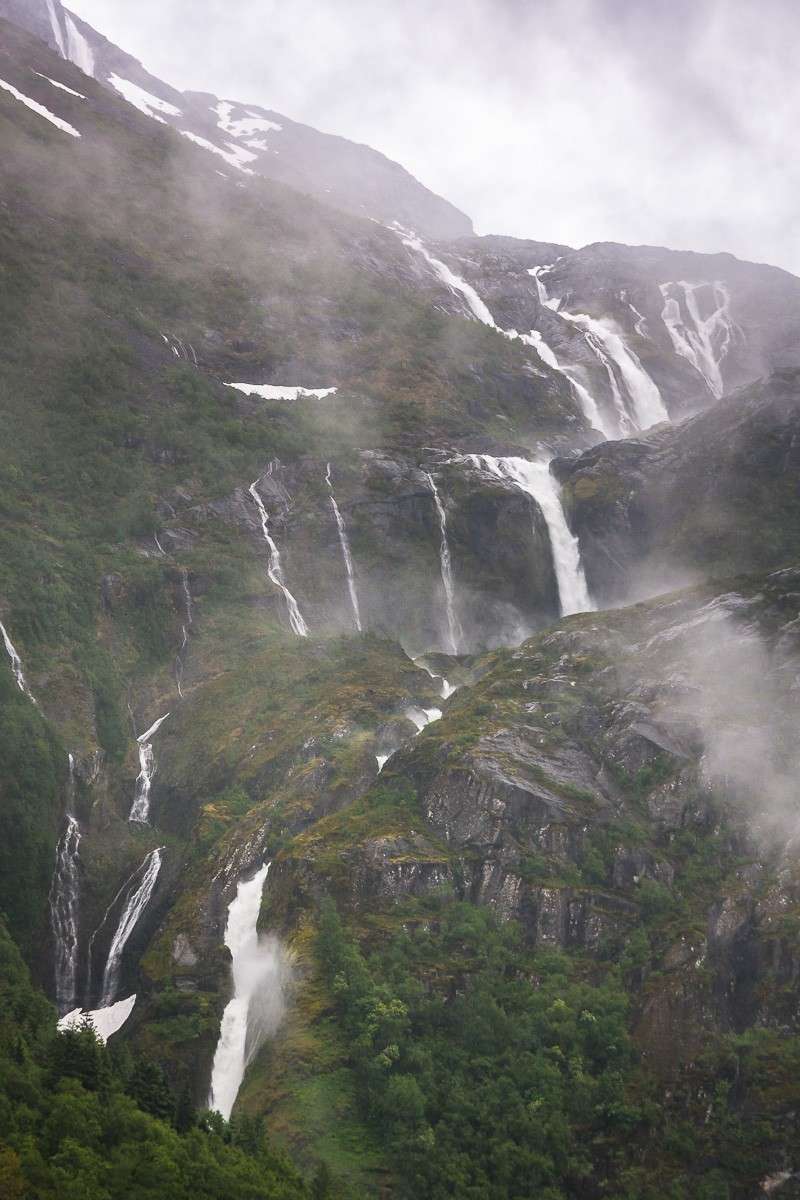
(295, 507)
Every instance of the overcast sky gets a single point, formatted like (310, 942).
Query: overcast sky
(670, 122)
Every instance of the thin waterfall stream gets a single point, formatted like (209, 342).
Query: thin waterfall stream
(275, 568)
(455, 633)
(346, 554)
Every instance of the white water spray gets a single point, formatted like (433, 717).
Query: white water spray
(455, 633)
(535, 479)
(135, 905)
(140, 810)
(423, 717)
(16, 664)
(704, 342)
(346, 555)
(64, 902)
(275, 570)
(257, 1002)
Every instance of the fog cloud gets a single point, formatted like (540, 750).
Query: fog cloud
(671, 122)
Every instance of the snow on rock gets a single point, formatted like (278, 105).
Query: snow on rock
(64, 126)
(244, 126)
(62, 86)
(236, 156)
(151, 106)
(277, 391)
(106, 1021)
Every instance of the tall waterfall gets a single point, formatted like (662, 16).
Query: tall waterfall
(346, 555)
(64, 901)
(188, 621)
(16, 664)
(535, 479)
(275, 570)
(136, 903)
(455, 634)
(140, 810)
(704, 341)
(55, 25)
(257, 994)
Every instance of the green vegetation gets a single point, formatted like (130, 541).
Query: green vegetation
(80, 1122)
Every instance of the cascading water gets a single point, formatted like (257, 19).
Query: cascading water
(535, 479)
(645, 407)
(137, 901)
(16, 664)
(256, 1004)
(454, 282)
(79, 51)
(64, 901)
(704, 342)
(533, 339)
(455, 633)
(346, 555)
(140, 810)
(275, 570)
(55, 25)
(188, 621)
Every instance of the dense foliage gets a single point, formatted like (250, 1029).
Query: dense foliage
(495, 1073)
(492, 1074)
(81, 1122)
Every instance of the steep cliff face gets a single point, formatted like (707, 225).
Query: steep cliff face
(281, 483)
(716, 494)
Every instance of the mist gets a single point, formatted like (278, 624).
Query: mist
(739, 693)
(590, 121)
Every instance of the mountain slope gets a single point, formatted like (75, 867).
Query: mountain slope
(310, 785)
(247, 138)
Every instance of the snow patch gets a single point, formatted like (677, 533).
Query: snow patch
(63, 87)
(277, 391)
(236, 156)
(151, 106)
(64, 126)
(245, 126)
(106, 1021)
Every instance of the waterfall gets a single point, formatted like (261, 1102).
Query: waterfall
(79, 51)
(586, 400)
(188, 613)
(454, 282)
(64, 898)
(423, 717)
(455, 633)
(136, 903)
(533, 339)
(535, 479)
(704, 342)
(275, 570)
(257, 984)
(646, 406)
(55, 25)
(140, 810)
(346, 555)
(16, 664)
